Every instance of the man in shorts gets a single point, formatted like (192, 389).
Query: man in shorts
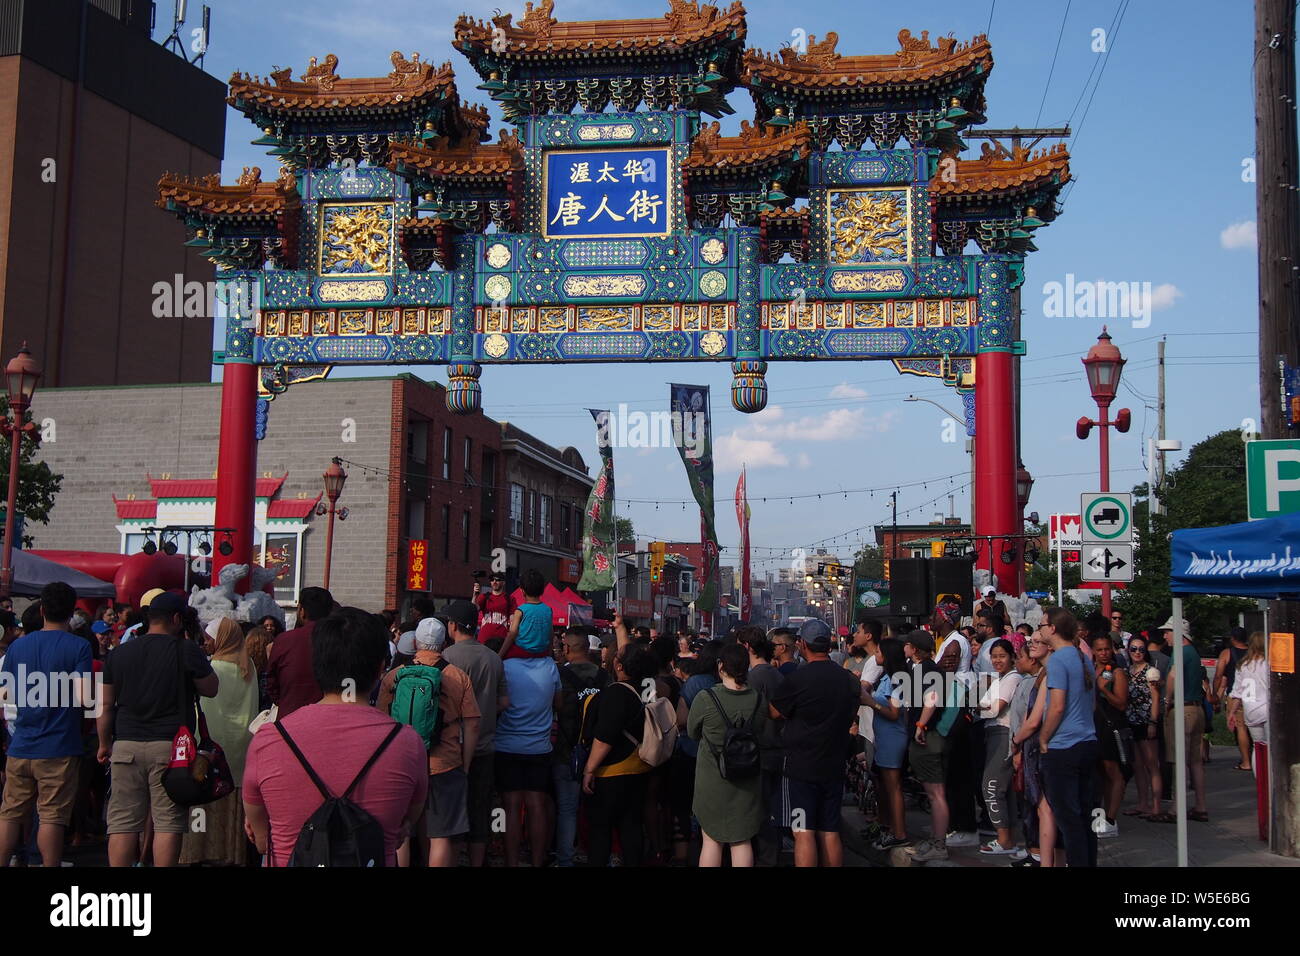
(44, 755)
(145, 681)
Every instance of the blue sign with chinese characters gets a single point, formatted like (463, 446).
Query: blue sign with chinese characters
(606, 192)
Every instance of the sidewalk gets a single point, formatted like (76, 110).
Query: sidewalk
(1231, 838)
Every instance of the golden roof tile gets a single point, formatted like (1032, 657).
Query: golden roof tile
(820, 66)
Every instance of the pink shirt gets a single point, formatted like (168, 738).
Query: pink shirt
(337, 740)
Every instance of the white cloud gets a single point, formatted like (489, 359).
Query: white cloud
(845, 390)
(1240, 235)
(1164, 296)
(731, 451)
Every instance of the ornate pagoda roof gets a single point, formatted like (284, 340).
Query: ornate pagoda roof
(999, 171)
(538, 35)
(466, 159)
(916, 63)
(248, 198)
(755, 147)
(321, 91)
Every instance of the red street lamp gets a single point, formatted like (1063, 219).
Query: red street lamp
(1024, 485)
(21, 376)
(334, 477)
(1104, 365)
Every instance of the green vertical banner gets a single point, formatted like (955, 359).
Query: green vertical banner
(689, 406)
(599, 540)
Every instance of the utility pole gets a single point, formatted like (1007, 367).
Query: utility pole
(1160, 419)
(1277, 174)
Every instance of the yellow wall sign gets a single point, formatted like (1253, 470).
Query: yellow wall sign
(1281, 653)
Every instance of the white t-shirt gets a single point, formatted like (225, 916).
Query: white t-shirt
(1251, 686)
(1001, 688)
(871, 672)
(964, 663)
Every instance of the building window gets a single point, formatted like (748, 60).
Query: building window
(565, 540)
(446, 453)
(532, 516)
(464, 530)
(417, 441)
(446, 532)
(546, 519)
(415, 519)
(516, 510)
(468, 448)
(485, 540)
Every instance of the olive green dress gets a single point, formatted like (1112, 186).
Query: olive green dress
(729, 811)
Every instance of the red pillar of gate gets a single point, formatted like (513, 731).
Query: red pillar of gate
(236, 467)
(997, 524)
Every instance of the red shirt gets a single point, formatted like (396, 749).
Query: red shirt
(494, 612)
(290, 680)
(337, 740)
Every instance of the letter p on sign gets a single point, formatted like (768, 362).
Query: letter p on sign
(1272, 478)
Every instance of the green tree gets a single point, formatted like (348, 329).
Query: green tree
(623, 530)
(869, 563)
(1206, 490)
(37, 484)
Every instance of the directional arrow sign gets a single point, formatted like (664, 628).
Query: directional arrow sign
(1107, 516)
(1107, 562)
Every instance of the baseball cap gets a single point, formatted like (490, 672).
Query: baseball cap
(988, 589)
(462, 612)
(148, 596)
(167, 603)
(406, 644)
(921, 640)
(430, 634)
(99, 627)
(816, 634)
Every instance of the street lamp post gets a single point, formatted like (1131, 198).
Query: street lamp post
(21, 376)
(1104, 365)
(334, 477)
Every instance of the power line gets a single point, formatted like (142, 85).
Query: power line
(1110, 49)
(1048, 86)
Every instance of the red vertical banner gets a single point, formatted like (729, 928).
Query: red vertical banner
(742, 518)
(417, 565)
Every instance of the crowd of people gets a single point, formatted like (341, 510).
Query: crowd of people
(479, 732)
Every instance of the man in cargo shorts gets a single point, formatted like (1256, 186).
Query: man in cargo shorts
(143, 691)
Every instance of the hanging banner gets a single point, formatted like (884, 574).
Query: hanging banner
(689, 405)
(598, 538)
(417, 565)
(742, 518)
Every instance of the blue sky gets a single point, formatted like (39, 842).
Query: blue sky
(1159, 198)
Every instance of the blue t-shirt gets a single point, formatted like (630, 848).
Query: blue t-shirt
(62, 660)
(1065, 671)
(695, 684)
(525, 726)
(882, 726)
(534, 628)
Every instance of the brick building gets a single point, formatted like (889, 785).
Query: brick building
(91, 112)
(544, 494)
(145, 457)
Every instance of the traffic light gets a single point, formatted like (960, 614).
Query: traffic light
(821, 570)
(657, 550)
(936, 549)
(886, 570)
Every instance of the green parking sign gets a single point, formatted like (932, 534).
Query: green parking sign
(1272, 477)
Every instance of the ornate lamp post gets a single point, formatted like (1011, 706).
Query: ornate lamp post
(1104, 364)
(335, 477)
(21, 376)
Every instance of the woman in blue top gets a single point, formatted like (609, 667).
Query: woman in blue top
(891, 742)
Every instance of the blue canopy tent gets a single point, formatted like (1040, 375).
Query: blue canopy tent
(1254, 559)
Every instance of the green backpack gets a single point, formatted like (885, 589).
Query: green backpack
(415, 700)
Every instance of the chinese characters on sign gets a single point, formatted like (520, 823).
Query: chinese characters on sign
(417, 565)
(612, 192)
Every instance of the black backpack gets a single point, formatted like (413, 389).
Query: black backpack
(739, 757)
(339, 833)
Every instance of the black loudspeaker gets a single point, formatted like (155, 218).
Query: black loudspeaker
(909, 587)
(952, 576)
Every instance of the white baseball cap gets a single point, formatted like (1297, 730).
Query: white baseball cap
(990, 590)
(430, 634)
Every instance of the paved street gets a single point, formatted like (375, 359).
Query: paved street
(1229, 839)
